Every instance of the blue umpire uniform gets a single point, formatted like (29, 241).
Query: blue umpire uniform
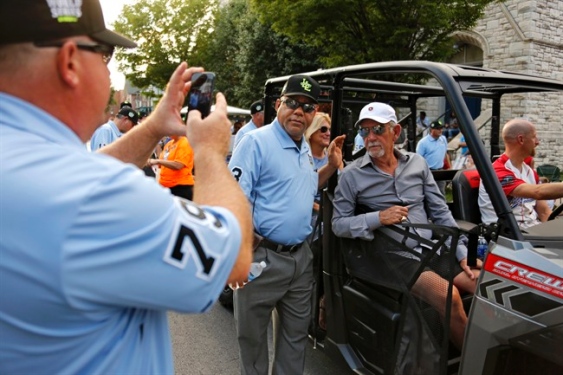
(280, 181)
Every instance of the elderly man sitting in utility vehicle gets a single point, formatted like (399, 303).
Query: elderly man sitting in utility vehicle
(395, 188)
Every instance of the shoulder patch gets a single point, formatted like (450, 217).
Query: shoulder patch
(237, 173)
(188, 240)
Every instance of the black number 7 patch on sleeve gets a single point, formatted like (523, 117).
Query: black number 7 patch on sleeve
(194, 230)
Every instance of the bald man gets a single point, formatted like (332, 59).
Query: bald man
(519, 181)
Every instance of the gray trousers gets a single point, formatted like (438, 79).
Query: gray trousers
(285, 285)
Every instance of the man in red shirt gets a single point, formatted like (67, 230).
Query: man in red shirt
(519, 181)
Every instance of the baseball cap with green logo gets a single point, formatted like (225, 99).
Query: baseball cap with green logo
(47, 20)
(302, 85)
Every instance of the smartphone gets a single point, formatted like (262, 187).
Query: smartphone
(201, 93)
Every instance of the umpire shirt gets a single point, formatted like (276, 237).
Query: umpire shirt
(94, 254)
(433, 150)
(280, 182)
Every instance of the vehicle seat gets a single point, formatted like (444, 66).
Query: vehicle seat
(465, 192)
(552, 172)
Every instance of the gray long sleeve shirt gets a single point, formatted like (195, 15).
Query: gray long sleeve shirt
(362, 183)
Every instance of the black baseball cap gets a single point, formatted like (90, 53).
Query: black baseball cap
(436, 125)
(302, 85)
(129, 113)
(125, 104)
(256, 107)
(47, 20)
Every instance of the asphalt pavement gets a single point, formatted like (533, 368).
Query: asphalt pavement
(206, 344)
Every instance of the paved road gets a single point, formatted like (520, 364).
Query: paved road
(206, 345)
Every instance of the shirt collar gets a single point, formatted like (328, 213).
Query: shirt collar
(366, 159)
(115, 128)
(19, 114)
(285, 140)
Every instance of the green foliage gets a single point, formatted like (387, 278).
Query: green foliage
(361, 31)
(167, 32)
(248, 41)
(245, 53)
(228, 40)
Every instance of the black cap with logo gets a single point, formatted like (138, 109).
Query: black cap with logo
(47, 20)
(129, 113)
(256, 107)
(302, 85)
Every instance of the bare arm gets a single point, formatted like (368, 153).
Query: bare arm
(334, 159)
(552, 190)
(543, 210)
(215, 185)
(137, 145)
(176, 165)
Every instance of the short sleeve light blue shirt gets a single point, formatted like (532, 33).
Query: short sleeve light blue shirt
(358, 143)
(248, 127)
(433, 150)
(94, 253)
(104, 135)
(280, 182)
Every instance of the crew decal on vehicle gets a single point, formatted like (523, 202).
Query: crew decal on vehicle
(188, 240)
(525, 275)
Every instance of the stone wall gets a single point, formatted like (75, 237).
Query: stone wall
(527, 37)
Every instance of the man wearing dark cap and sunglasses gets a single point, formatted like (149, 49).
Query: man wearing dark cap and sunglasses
(274, 167)
(257, 113)
(386, 187)
(112, 130)
(86, 287)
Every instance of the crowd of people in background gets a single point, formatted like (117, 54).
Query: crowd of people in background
(93, 283)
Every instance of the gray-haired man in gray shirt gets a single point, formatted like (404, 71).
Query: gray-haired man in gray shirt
(396, 187)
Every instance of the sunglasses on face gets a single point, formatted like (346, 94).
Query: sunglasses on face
(376, 130)
(103, 49)
(324, 129)
(294, 104)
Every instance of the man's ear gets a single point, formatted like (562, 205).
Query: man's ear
(278, 103)
(68, 64)
(397, 131)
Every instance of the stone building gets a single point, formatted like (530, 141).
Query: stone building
(524, 37)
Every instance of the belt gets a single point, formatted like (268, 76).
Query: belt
(279, 248)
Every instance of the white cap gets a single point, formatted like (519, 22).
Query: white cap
(379, 112)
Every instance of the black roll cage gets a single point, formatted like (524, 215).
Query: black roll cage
(455, 82)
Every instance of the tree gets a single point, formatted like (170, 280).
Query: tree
(245, 53)
(228, 40)
(167, 32)
(361, 31)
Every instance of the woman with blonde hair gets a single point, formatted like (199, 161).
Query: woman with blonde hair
(318, 137)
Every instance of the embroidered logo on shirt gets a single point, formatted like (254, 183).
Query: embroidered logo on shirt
(507, 181)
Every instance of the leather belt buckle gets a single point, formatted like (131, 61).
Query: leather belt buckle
(292, 248)
(279, 248)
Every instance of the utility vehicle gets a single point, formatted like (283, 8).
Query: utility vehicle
(373, 322)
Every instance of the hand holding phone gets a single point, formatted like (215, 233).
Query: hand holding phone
(201, 93)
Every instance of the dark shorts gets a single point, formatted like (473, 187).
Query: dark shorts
(407, 267)
(184, 191)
